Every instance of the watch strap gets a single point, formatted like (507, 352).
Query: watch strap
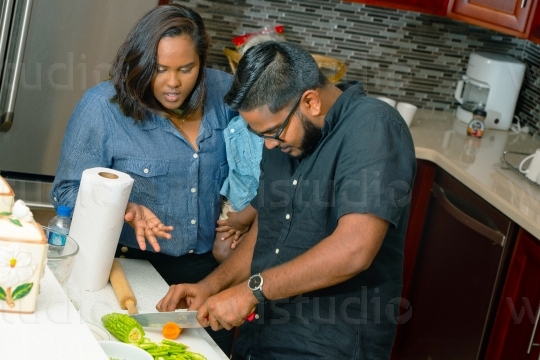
(260, 296)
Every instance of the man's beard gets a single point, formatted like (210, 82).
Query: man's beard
(312, 136)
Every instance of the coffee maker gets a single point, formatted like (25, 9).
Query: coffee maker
(492, 83)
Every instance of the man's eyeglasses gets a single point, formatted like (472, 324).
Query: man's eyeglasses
(276, 136)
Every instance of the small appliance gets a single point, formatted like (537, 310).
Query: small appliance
(492, 83)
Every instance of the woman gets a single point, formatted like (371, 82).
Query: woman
(160, 119)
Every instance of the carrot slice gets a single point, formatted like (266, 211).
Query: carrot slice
(171, 330)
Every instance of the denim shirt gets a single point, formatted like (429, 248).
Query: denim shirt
(180, 185)
(244, 150)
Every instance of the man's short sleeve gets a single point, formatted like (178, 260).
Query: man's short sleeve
(375, 171)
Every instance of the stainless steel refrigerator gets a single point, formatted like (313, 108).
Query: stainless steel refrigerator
(52, 51)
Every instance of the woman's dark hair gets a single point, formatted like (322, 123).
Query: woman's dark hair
(136, 62)
(273, 74)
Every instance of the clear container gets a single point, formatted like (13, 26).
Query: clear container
(60, 225)
(60, 259)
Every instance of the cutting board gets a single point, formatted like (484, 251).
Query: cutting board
(190, 337)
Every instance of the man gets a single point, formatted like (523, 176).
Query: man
(333, 202)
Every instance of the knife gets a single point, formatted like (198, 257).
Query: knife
(185, 319)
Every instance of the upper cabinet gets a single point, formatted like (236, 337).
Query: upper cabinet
(513, 17)
(519, 18)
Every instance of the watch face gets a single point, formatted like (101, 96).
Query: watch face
(255, 282)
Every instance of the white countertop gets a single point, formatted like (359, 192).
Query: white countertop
(148, 287)
(56, 330)
(440, 138)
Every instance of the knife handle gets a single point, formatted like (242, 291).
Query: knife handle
(249, 318)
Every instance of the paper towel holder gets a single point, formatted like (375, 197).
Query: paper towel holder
(108, 175)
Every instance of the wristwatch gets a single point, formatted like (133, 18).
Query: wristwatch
(255, 284)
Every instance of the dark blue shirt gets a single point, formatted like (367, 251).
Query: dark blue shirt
(365, 163)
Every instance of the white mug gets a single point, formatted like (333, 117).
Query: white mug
(533, 170)
(387, 100)
(406, 111)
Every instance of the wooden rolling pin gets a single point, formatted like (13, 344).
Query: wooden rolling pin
(121, 288)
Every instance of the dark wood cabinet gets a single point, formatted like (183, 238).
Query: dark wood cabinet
(516, 334)
(519, 18)
(451, 276)
(437, 7)
(513, 17)
(425, 174)
(464, 323)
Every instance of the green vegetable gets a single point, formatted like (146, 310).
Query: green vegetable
(196, 356)
(169, 350)
(173, 343)
(123, 327)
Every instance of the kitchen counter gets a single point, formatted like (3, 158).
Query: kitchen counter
(442, 139)
(148, 287)
(57, 330)
(54, 331)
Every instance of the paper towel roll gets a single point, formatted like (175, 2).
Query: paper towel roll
(98, 218)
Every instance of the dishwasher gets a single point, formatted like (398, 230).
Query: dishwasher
(457, 277)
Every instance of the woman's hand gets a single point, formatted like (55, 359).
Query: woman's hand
(147, 226)
(238, 241)
(237, 222)
(225, 231)
(233, 227)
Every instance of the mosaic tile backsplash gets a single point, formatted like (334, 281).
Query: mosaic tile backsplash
(404, 55)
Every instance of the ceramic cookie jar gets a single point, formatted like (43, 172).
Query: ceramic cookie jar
(23, 254)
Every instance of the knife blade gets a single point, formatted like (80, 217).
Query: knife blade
(185, 318)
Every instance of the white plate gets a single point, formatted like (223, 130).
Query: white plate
(118, 350)
(99, 333)
(190, 337)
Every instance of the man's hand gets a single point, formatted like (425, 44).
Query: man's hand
(184, 296)
(147, 226)
(228, 308)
